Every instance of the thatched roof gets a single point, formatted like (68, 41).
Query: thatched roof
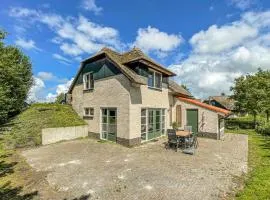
(176, 88)
(123, 60)
(225, 101)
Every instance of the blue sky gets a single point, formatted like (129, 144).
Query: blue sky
(207, 43)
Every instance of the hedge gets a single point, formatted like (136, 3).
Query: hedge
(239, 124)
(263, 127)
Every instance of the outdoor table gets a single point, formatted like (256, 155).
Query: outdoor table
(183, 134)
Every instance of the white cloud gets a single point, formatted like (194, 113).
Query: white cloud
(34, 94)
(242, 4)
(74, 36)
(95, 30)
(153, 40)
(40, 93)
(216, 39)
(91, 6)
(22, 12)
(51, 97)
(45, 76)
(61, 88)
(61, 59)
(71, 49)
(26, 44)
(212, 65)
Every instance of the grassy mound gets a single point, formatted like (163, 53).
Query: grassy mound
(25, 129)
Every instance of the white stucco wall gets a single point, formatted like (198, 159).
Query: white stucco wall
(144, 97)
(108, 92)
(53, 135)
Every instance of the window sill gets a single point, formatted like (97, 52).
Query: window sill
(88, 117)
(88, 90)
(154, 88)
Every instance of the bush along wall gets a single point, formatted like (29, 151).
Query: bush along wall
(239, 124)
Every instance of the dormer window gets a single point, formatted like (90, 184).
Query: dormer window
(154, 79)
(88, 81)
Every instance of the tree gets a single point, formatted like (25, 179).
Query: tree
(15, 79)
(60, 98)
(251, 93)
(265, 79)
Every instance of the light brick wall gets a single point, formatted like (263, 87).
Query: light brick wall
(109, 92)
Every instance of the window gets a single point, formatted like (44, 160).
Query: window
(154, 80)
(152, 123)
(89, 112)
(88, 81)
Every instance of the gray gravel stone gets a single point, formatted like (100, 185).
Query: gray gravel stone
(149, 171)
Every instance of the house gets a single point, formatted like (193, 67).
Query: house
(222, 101)
(129, 98)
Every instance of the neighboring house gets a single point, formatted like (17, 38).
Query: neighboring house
(130, 99)
(222, 101)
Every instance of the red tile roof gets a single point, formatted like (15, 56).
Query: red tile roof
(204, 105)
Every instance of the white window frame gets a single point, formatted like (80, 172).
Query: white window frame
(84, 81)
(154, 80)
(163, 124)
(88, 115)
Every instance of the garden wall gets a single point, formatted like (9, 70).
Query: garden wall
(53, 135)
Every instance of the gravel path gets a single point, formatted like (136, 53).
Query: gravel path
(110, 171)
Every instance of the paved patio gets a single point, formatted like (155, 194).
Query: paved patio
(110, 171)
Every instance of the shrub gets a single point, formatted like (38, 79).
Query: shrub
(239, 124)
(263, 127)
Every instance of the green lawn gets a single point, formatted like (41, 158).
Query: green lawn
(26, 127)
(257, 182)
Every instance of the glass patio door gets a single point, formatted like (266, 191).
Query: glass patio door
(109, 124)
(152, 123)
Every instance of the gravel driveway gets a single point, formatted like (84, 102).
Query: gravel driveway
(110, 171)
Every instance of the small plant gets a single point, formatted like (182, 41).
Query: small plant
(175, 125)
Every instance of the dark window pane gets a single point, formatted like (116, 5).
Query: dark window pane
(111, 129)
(143, 112)
(91, 111)
(151, 79)
(104, 119)
(150, 127)
(104, 111)
(143, 128)
(104, 127)
(86, 110)
(157, 80)
(143, 136)
(112, 113)
(112, 120)
(143, 120)
(91, 81)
